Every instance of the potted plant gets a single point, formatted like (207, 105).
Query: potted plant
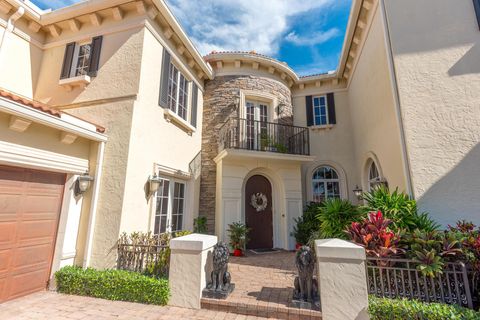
(305, 225)
(237, 233)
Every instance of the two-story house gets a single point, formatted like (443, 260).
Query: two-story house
(111, 121)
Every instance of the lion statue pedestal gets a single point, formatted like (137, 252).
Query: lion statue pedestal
(220, 285)
(306, 287)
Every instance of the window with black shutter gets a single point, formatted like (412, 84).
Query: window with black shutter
(193, 113)
(476, 5)
(321, 110)
(81, 59)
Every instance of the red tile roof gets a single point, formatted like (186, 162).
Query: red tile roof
(30, 103)
(42, 107)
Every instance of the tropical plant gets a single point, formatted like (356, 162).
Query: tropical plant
(334, 216)
(238, 234)
(306, 225)
(200, 225)
(374, 235)
(399, 208)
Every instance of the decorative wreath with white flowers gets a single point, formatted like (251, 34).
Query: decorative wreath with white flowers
(259, 201)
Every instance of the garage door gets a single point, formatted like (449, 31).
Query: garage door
(30, 203)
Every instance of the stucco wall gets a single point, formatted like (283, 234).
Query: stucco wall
(117, 118)
(19, 59)
(436, 57)
(372, 110)
(118, 73)
(156, 141)
(330, 146)
(218, 107)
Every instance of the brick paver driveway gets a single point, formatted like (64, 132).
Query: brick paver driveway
(53, 306)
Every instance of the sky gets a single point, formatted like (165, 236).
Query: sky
(307, 34)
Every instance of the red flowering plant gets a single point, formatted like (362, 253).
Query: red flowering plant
(374, 235)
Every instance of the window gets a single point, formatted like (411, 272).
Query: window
(170, 205)
(320, 110)
(81, 59)
(326, 184)
(374, 179)
(177, 100)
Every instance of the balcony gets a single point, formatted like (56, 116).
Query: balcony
(238, 133)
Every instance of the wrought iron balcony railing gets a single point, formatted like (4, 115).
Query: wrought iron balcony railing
(238, 133)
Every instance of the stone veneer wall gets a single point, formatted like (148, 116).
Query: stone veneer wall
(217, 108)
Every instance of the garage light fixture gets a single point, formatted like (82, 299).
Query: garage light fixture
(82, 184)
(153, 184)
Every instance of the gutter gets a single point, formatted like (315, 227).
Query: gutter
(396, 95)
(10, 26)
(92, 217)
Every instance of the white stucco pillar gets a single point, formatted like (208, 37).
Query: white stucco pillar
(190, 266)
(342, 280)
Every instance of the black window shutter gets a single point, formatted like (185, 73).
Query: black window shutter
(67, 60)
(476, 5)
(309, 110)
(193, 114)
(332, 119)
(163, 99)
(95, 56)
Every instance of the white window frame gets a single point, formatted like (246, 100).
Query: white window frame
(325, 181)
(76, 53)
(188, 90)
(170, 202)
(326, 110)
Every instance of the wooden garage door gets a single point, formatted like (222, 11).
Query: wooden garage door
(30, 203)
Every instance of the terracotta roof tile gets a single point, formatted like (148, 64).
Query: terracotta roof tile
(42, 107)
(30, 103)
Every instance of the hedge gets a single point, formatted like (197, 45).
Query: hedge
(402, 309)
(112, 285)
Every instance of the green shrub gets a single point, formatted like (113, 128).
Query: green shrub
(402, 309)
(306, 225)
(399, 208)
(112, 285)
(200, 225)
(335, 216)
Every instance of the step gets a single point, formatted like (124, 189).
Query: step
(261, 309)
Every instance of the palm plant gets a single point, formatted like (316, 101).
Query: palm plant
(399, 208)
(334, 216)
(238, 234)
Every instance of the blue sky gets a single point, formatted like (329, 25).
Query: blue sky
(307, 34)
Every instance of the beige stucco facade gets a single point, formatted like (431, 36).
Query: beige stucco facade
(404, 98)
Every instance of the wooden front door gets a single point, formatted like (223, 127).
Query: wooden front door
(30, 203)
(259, 219)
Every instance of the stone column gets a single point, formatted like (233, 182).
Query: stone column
(190, 266)
(342, 280)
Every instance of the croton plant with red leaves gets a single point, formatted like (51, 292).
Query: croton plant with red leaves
(374, 235)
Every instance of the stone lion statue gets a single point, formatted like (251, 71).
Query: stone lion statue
(220, 277)
(306, 288)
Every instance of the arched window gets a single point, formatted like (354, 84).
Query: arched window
(326, 184)
(374, 177)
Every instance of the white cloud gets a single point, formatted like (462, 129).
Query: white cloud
(240, 24)
(312, 39)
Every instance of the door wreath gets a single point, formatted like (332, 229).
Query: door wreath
(259, 201)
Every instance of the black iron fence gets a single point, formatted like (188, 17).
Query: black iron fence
(400, 278)
(238, 133)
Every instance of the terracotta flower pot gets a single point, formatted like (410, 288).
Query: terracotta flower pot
(237, 253)
(298, 246)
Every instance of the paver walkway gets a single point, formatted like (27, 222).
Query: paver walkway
(263, 287)
(54, 306)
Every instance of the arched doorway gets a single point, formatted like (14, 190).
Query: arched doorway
(258, 212)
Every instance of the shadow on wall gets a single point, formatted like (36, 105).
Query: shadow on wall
(457, 194)
(468, 64)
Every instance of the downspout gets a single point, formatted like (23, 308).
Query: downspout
(11, 25)
(93, 207)
(396, 96)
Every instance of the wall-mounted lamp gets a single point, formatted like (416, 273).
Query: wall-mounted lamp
(153, 184)
(281, 108)
(82, 184)
(358, 192)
